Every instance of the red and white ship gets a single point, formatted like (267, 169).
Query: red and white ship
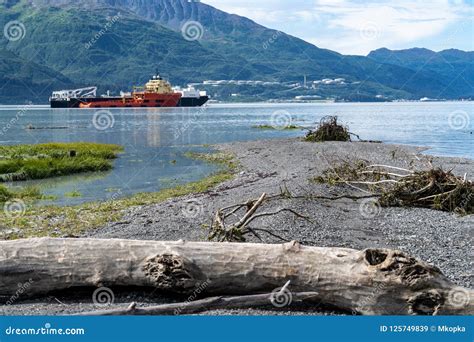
(157, 92)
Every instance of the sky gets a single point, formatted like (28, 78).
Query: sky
(358, 27)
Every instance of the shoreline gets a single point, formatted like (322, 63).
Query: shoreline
(437, 237)
(276, 101)
(270, 102)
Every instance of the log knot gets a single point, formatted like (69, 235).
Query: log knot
(425, 303)
(409, 270)
(172, 272)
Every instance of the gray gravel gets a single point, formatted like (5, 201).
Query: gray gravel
(440, 238)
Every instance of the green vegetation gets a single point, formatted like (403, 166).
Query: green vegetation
(27, 193)
(289, 127)
(328, 130)
(23, 162)
(17, 71)
(61, 36)
(71, 221)
(72, 194)
(226, 160)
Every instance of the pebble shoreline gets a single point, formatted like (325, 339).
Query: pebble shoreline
(440, 238)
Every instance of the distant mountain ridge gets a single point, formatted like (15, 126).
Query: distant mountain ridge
(454, 65)
(148, 36)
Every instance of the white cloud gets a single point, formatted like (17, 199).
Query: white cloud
(267, 12)
(353, 26)
(360, 28)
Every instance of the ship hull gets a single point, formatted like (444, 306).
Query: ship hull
(138, 100)
(98, 102)
(193, 101)
(71, 103)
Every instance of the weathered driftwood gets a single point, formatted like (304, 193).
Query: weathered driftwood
(223, 231)
(206, 304)
(372, 281)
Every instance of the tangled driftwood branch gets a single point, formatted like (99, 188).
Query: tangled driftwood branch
(222, 230)
(433, 188)
(329, 129)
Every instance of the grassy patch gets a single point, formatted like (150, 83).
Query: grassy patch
(58, 221)
(289, 127)
(72, 194)
(221, 158)
(23, 162)
(27, 193)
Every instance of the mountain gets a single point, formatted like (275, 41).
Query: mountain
(22, 80)
(118, 43)
(456, 67)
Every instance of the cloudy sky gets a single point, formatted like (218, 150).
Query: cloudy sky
(357, 27)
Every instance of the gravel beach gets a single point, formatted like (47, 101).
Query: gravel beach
(441, 238)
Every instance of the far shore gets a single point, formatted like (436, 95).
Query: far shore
(273, 166)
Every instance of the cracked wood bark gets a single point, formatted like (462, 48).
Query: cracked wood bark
(372, 281)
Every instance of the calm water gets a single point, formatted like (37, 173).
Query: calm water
(155, 139)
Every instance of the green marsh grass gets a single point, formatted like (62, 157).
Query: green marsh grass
(24, 162)
(288, 127)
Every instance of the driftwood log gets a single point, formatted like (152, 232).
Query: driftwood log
(372, 281)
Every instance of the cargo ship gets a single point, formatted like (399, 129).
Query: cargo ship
(157, 92)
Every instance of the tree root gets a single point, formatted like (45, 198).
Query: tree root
(221, 230)
(433, 188)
